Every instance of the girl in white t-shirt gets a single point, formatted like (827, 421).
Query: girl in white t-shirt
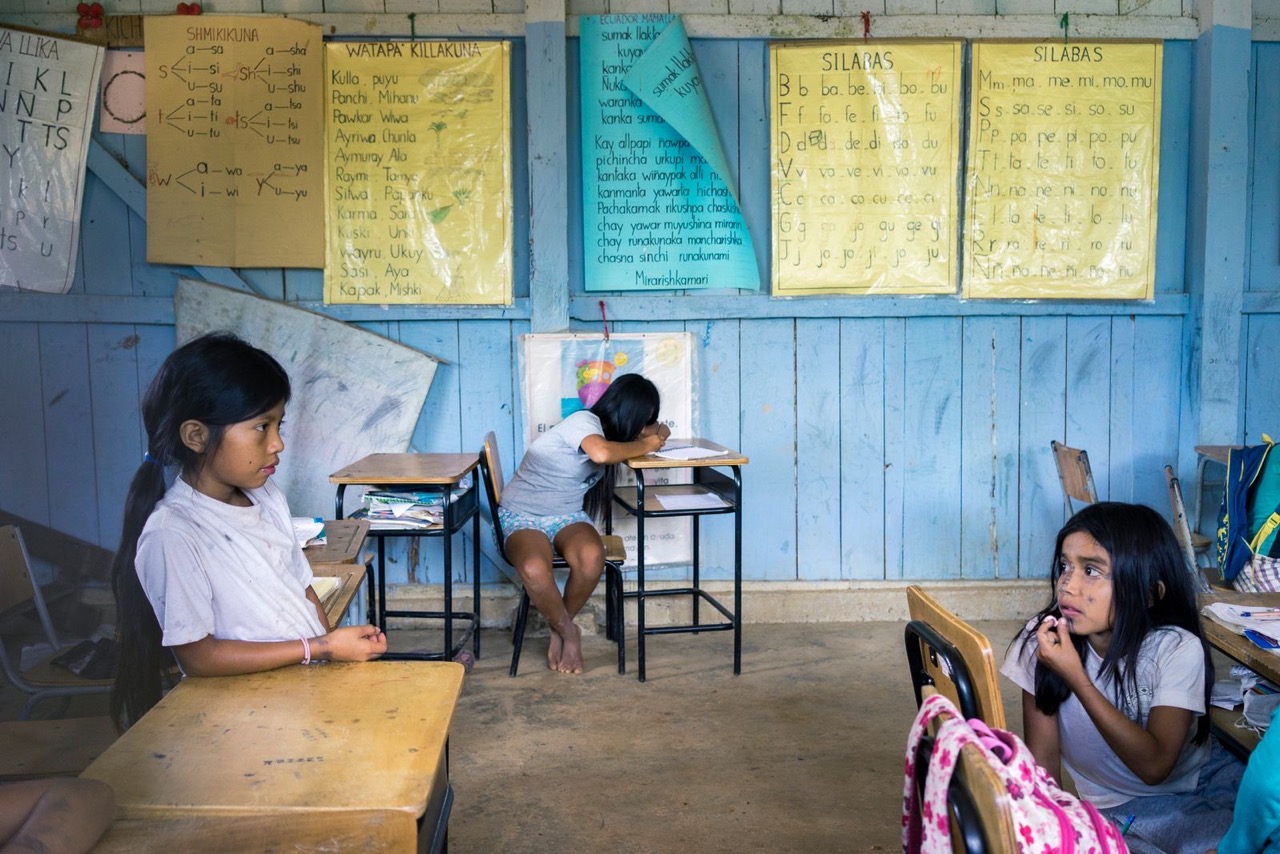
(208, 571)
(1116, 674)
(564, 482)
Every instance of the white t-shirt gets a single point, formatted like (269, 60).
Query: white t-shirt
(237, 573)
(555, 472)
(1170, 673)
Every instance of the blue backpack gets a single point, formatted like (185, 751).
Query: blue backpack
(1239, 539)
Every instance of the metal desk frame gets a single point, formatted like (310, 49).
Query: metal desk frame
(456, 514)
(705, 479)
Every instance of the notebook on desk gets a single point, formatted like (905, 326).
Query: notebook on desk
(685, 451)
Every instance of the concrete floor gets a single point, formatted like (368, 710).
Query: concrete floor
(802, 752)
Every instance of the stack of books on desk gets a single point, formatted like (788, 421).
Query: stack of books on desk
(390, 511)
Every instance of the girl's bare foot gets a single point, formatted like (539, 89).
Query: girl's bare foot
(571, 653)
(554, 651)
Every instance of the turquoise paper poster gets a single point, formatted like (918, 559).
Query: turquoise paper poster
(660, 202)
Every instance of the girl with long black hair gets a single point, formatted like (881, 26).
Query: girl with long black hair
(561, 488)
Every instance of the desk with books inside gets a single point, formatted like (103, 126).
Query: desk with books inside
(418, 495)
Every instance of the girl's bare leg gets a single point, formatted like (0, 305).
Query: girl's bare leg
(530, 553)
(582, 548)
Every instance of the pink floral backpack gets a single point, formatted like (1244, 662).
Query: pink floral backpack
(1045, 818)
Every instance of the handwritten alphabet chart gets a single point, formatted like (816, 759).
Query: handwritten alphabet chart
(234, 141)
(865, 153)
(418, 182)
(1064, 146)
(47, 87)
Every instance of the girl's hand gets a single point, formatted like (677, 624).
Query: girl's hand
(1056, 651)
(662, 431)
(351, 643)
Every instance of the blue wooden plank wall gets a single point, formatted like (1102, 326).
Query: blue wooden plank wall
(889, 439)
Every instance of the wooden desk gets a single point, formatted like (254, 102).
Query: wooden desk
(645, 502)
(330, 744)
(350, 576)
(1239, 648)
(344, 540)
(340, 557)
(443, 474)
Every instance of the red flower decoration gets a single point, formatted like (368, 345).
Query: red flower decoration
(189, 9)
(90, 16)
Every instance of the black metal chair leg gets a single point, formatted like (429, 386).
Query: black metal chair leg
(517, 638)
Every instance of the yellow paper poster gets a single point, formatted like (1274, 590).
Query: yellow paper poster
(234, 141)
(1064, 157)
(865, 154)
(418, 181)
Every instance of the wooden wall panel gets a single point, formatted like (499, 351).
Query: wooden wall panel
(768, 412)
(1153, 424)
(863, 476)
(1262, 378)
(818, 383)
(721, 404)
(1264, 243)
(895, 447)
(113, 381)
(988, 448)
(24, 485)
(1088, 395)
(68, 420)
(1044, 417)
(931, 443)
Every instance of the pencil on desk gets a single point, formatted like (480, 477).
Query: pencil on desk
(1261, 615)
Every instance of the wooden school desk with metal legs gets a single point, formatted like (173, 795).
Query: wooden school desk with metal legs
(724, 494)
(442, 474)
(301, 756)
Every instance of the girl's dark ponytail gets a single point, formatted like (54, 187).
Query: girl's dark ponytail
(143, 660)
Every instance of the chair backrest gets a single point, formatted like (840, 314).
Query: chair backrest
(950, 656)
(1075, 475)
(1182, 529)
(18, 585)
(491, 472)
(979, 801)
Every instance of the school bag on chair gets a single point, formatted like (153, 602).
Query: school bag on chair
(1045, 818)
(1248, 550)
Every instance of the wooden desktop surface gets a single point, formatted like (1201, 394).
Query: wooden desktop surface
(422, 469)
(351, 737)
(351, 575)
(1237, 646)
(344, 538)
(653, 461)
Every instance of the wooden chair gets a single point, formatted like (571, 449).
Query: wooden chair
(952, 657)
(19, 595)
(946, 655)
(615, 554)
(1194, 546)
(1075, 475)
